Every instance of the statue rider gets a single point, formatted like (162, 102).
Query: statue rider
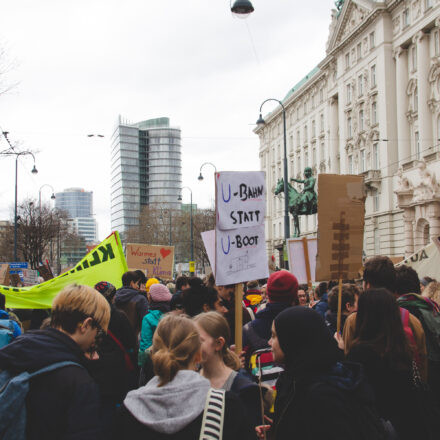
(308, 195)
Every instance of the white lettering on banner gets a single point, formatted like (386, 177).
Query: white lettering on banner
(240, 199)
(240, 245)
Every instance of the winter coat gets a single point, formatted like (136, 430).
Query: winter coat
(322, 305)
(62, 404)
(331, 319)
(393, 392)
(175, 411)
(256, 333)
(230, 317)
(17, 329)
(134, 304)
(110, 371)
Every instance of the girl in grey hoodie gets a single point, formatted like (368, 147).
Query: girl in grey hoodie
(171, 405)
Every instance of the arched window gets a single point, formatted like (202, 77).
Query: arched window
(426, 234)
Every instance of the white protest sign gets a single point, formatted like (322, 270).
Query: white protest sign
(240, 199)
(297, 258)
(240, 245)
(208, 238)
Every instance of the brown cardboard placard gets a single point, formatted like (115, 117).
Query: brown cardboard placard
(156, 260)
(4, 274)
(341, 210)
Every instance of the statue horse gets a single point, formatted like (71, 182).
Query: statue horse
(296, 205)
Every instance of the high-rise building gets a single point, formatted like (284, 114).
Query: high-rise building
(146, 169)
(78, 204)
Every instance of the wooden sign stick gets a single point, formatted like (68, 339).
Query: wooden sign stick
(307, 262)
(238, 294)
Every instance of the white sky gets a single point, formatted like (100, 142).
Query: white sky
(80, 64)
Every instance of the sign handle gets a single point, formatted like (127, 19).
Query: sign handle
(238, 294)
(338, 322)
(307, 262)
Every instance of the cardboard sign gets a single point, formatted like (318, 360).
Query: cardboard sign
(341, 209)
(240, 245)
(4, 274)
(30, 277)
(297, 258)
(157, 261)
(240, 199)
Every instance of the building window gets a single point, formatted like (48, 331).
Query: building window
(362, 161)
(405, 17)
(428, 4)
(374, 113)
(321, 95)
(298, 161)
(350, 164)
(376, 239)
(313, 156)
(417, 144)
(305, 134)
(313, 129)
(348, 93)
(361, 120)
(359, 51)
(436, 43)
(376, 160)
(321, 123)
(321, 150)
(414, 58)
(347, 60)
(306, 159)
(373, 75)
(291, 142)
(376, 201)
(360, 85)
(298, 139)
(349, 126)
(372, 40)
(305, 107)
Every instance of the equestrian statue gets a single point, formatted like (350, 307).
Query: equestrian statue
(300, 203)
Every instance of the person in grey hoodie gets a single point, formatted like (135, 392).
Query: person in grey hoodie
(171, 405)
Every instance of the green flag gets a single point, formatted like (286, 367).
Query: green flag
(104, 263)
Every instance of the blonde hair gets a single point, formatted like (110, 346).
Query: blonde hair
(217, 327)
(76, 303)
(175, 343)
(432, 291)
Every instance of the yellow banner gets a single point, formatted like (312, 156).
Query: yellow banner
(104, 263)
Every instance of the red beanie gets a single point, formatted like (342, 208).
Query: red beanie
(282, 286)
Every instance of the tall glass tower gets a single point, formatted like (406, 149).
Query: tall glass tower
(146, 168)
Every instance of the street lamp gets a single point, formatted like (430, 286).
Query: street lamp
(241, 8)
(39, 194)
(261, 122)
(191, 222)
(203, 164)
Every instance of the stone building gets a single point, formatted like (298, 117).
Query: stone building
(370, 107)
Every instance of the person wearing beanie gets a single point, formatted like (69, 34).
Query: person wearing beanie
(159, 297)
(150, 282)
(282, 292)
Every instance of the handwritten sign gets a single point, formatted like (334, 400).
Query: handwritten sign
(297, 258)
(240, 245)
(157, 261)
(240, 199)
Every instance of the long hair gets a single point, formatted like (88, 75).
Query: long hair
(379, 326)
(217, 327)
(175, 343)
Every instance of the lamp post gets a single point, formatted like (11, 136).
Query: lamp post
(191, 224)
(39, 194)
(203, 164)
(261, 122)
(241, 8)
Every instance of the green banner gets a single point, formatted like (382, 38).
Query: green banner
(104, 263)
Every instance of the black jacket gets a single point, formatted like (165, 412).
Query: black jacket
(235, 425)
(134, 304)
(62, 404)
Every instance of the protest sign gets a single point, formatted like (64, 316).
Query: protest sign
(104, 263)
(157, 261)
(239, 238)
(4, 274)
(208, 238)
(302, 258)
(341, 211)
(30, 277)
(426, 261)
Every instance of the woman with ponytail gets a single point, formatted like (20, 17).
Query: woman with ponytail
(220, 365)
(172, 404)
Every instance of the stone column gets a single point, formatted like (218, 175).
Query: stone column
(334, 136)
(408, 224)
(424, 113)
(403, 132)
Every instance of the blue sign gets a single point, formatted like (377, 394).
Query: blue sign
(18, 265)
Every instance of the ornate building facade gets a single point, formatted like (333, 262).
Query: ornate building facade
(370, 107)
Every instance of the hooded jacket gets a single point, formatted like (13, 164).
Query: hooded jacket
(316, 384)
(175, 410)
(133, 303)
(64, 403)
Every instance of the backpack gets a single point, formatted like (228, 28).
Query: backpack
(13, 392)
(6, 331)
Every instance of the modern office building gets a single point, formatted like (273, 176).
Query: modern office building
(370, 107)
(146, 169)
(78, 204)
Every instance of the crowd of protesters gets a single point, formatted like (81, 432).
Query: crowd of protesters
(155, 359)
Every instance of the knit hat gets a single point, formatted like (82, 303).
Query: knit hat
(106, 289)
(159, 293)
(150, 282)
(282, 286)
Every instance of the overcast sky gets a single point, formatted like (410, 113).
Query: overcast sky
(78, 65)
